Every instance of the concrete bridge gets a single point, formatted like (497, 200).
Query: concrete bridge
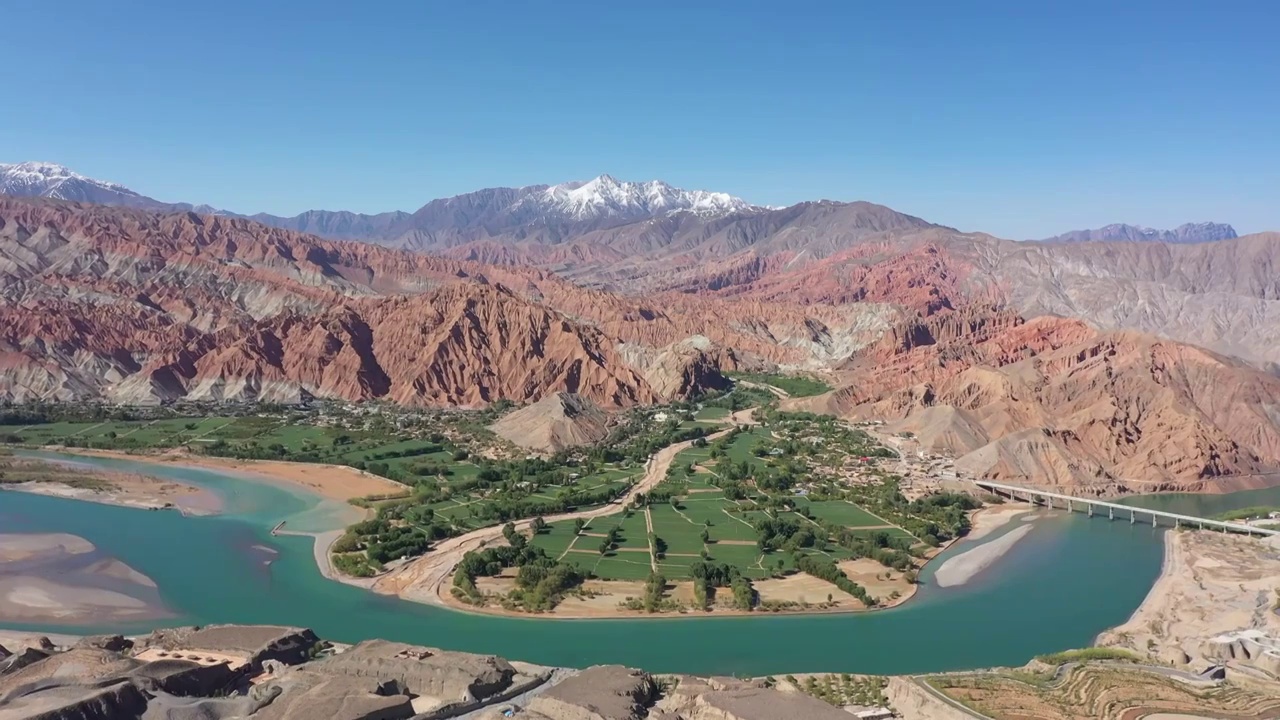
(1066, 502)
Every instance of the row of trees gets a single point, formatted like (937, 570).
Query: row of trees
(541, 581)
(654, 587)
(825, 569)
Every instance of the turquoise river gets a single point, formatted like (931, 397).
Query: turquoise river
(1070, 578)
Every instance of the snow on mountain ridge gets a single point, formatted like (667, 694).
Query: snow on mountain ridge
(606, 196)
(47, 179)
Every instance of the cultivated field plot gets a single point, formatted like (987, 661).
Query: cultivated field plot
(710, 512)
(622, 566)
(793, 385)
(712, 413)
(633, 534)
(680, 535)
(297, 438)
(842, 513)
(460, 513)
(558, 538)
(742, 556)
(740, 449)
(121, 433)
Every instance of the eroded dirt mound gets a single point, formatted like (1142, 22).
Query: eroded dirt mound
(558, 421)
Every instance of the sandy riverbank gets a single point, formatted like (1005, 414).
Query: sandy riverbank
(993, 517)
(334, 482)
(1211, 585)
(17, 639)
(960, 569)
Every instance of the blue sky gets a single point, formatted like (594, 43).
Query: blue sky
(1017, 118)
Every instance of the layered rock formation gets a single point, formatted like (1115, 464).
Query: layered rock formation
(373, 680)
(1052, 402)
(137, 307)
(959, 337)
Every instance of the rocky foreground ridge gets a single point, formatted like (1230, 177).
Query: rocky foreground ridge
(280, 673)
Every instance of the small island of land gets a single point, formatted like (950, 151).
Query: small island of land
(71, 480)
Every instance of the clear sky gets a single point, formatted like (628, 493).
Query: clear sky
(1022, 118)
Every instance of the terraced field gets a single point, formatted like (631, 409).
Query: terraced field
(1102, 691)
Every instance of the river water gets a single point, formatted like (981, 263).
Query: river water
(1070, 578)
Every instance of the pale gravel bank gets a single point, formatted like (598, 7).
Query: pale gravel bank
(993, 517)
(961, 568)
(185, 499)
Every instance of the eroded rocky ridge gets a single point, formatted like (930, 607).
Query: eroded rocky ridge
(189, 674)
(959, 337)
(1054, 402)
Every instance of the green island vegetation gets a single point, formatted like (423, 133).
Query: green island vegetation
(19, 471)
(843, 689)
(540, 581)
(793, 385)
(796, 493)
(1089, 654)
(799, 493)
(1248, 513)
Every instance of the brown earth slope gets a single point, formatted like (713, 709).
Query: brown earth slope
(1052, 402)
(557, 421)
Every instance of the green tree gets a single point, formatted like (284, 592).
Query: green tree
(578, 524)
(539, 525)
(706, 536)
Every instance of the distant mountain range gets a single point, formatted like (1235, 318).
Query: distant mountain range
(43, 179)
(553, 211)
(1119, 232)
(466, 226)
(1070, 363)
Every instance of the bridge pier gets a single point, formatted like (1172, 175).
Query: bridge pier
(1133, 516)
(1090, 509)
(1153, 519)
(1069, 508)
(1111, 513)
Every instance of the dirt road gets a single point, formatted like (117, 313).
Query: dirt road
(777, 391)
(425, 578)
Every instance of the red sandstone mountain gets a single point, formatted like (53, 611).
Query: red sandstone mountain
(138, 307)
(917, 323)
(1052, 402)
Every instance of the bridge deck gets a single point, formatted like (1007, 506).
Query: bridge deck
(1191, 519)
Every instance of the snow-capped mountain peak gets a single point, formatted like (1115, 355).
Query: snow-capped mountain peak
(608, 197)
(46, 179)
